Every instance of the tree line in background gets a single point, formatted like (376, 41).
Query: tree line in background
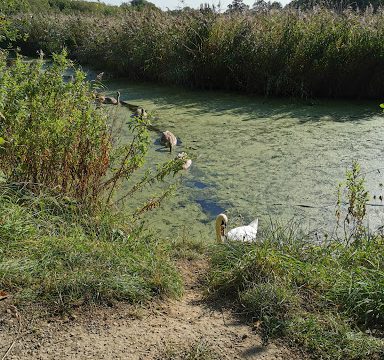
(97, 7)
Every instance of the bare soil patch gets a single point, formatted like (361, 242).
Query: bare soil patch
(164, 330)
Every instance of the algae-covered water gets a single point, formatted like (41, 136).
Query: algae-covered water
(255, 157)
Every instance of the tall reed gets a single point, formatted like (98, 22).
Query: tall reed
(277, 52)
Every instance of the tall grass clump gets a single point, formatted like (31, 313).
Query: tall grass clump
(318, 52)
(54, 256)
(327, 298)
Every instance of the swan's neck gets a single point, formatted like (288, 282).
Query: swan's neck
(219, 238)
(220, 231)
(118, 96)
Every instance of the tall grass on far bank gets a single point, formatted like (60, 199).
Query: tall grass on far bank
(288, 52)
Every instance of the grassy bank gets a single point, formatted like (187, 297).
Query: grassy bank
(326, 299)
(284, 53)
(52, 255)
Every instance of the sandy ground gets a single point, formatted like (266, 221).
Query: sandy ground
(127, 332)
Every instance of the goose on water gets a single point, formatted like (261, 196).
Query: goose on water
(186, 162)
(242, 233)
(136, 109)
(130, 106)
(168, 139)
(111, 100)
(141, 113)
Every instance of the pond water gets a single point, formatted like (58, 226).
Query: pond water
(255, 157)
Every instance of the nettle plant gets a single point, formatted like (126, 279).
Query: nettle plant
(55, 138)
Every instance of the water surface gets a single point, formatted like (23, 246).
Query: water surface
(256, 157)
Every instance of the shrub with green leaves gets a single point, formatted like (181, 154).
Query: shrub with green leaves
(53, 134)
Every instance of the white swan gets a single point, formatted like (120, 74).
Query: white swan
(241, 233)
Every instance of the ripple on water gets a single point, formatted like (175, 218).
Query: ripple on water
(196, 184)
(210, 207)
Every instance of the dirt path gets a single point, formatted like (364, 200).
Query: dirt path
(163, 331)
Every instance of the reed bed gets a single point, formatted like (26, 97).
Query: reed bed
(278, 52)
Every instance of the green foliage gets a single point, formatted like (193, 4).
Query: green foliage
(72, 6)
(52, 254)
(262, 5)
(357, 197)
(141, 4)
(54, 136)
(237, 6)
(8, 8)
(56, 139)
(325, 298)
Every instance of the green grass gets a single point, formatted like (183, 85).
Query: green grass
(327, 299)
(199, 350)
(51, 256)
(188, 249)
